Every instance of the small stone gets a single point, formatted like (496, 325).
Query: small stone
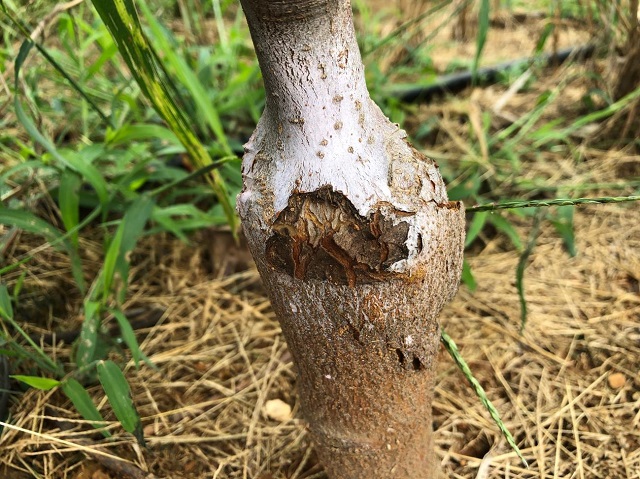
(616, 380)
(149, 430)
(277, 409)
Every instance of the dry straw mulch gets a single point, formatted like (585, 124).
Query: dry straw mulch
(569, 388)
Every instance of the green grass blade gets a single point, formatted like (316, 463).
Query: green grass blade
(140, 132)
(29, 222)
(75, 263)
(199, 172)
(123, 23)
(111, 260)
(504, 226)
(127, 236)
(510, 205)
(522, 265)
(88, 341)
(6, 309)
(562, 134)
(187, 77)
(481, 38)
(108, 50)
(134, 221)
(118, 393)
(69, 202)
(129, 336)
(477, 223)
(451, 347)
(467, 277)
(89, 172)
(86, 170)
(525, 124)
(37, 382)
(81, 400)
(538, 185)
(544, 36)
(563, 223)
(181, 218)
(28, 40)
(222, 31)
(17, 286)
(6, 314)
(412, 23)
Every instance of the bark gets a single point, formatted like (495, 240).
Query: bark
(355, 240)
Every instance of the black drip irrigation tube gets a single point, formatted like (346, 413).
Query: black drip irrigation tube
(457, 82)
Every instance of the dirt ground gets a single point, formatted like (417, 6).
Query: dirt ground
(221, 401)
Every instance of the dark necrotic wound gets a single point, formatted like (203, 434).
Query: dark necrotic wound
(320, 235)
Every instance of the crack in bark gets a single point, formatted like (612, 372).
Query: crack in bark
(320, 235)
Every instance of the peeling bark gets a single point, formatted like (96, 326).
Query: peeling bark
(356, 242)
(321, 236)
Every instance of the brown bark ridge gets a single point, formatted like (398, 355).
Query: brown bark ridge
(356, 242)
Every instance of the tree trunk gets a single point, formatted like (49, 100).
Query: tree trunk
(355, 240)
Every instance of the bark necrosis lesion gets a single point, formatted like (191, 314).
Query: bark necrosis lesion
(320, 235)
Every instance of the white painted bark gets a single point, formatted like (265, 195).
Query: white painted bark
(356, 242)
